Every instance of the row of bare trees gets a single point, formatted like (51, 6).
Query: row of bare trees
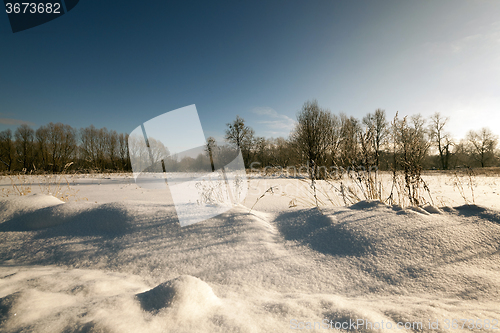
(322, 138)
(51, 147)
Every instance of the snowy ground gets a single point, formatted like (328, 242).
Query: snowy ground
(114, 259)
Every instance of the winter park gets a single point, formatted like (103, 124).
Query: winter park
(167, 198)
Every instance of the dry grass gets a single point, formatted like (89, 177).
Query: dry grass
(409, 190)
(345, 189)
(354, 185)
(56, 185)
(212, 192)
(360, 185)
(218, 191)
(270, 190)
(21, 184)
(467, 177)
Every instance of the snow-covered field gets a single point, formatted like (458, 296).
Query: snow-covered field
(114, 259)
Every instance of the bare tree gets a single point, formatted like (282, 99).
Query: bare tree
(482, 145)
(349, 145)
(42, 148)
(441, 139)
(24, 145)
(379, 128)
(123, 151)
(210, 149)
(158, 153)
(89, 146)
(102, 147)
(242, 136)
(60, 144)
(313, 134)
(7, 150)
(279, 152)
(261, 150)
(112, 148)
(368, 152)
(140, 158)
(410, 146)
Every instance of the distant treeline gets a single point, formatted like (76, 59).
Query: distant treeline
(326, 140)
(320, 139)
(51, 147)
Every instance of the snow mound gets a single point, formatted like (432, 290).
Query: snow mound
(112, 219)
(322, 233)
(367, 204)
(482, 212)
(407, 250)
(295, 225)
(432, 209)
(417, 209)
(186, 294)
(71, 219)
(6, 304)
(19, 205)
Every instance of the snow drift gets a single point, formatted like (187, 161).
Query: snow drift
(129, 267)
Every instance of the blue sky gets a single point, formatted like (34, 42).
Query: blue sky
(117, 64)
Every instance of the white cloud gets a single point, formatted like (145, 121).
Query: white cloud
(265, 111)
(8, 121)
(276, 124)
(483, 46)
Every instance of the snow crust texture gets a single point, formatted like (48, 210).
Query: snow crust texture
(128, 266)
